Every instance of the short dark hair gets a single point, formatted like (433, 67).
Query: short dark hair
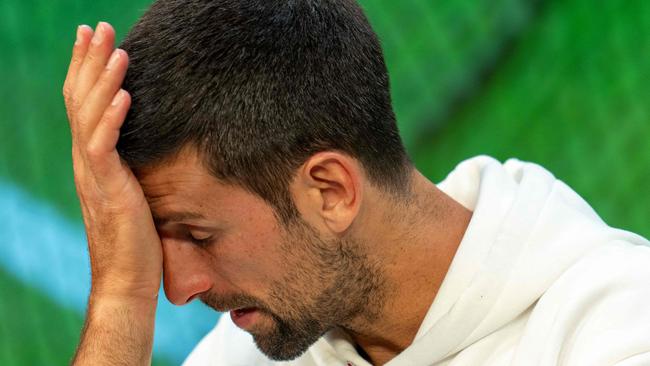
(258, 86)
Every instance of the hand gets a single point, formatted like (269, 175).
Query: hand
(125, 250)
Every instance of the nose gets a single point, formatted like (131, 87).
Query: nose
(186, 272)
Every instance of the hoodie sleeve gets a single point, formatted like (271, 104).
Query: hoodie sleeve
(596, 313)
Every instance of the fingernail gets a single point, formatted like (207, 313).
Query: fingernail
(78, 41)
(99, 34)
(113, 60)
(118, 98)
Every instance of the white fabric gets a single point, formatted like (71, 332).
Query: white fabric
(538, 279)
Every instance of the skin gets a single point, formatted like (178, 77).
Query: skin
(357, 259)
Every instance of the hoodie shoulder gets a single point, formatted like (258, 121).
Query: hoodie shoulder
(596, 313)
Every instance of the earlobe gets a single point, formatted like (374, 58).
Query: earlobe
(333, 184)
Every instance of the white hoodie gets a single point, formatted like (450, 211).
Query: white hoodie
(538, 279)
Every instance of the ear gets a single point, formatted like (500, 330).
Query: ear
(328, 190)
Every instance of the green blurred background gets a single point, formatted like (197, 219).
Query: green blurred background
(562, 83)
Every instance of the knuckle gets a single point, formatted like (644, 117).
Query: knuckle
(83, 116)
(74, 102)
(68, 94)
(93, 152)
(92, 55)
(104, 82)
(107, 117)
(75, 61)
(76, 58)
(66, 91)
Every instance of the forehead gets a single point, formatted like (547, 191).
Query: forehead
(183, 187)
(178, 176)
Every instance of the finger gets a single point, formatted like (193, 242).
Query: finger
(101, 149)
(84, 34)
(99, 50)
(100, 96)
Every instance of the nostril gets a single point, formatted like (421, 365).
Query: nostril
(192, 298)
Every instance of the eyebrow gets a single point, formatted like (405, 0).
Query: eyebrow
(176, 217)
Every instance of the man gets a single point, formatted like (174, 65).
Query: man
(250, 157)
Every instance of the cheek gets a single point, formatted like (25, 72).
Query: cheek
(250, 263)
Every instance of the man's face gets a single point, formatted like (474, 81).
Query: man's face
(288, 284)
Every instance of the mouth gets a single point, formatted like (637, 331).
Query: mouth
(244, 317)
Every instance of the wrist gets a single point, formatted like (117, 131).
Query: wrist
(100, 301)
(122, 289)
(117, 326)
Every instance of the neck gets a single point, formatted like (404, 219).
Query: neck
(415, 252)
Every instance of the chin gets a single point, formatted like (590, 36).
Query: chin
(280, 342)
(278, 350)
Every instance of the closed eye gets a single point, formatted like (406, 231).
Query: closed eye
(200, 239)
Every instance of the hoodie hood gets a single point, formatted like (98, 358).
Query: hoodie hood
(527, 228)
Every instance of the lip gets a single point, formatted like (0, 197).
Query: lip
(245, 317)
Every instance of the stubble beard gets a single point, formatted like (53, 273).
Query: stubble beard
(329, 284)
